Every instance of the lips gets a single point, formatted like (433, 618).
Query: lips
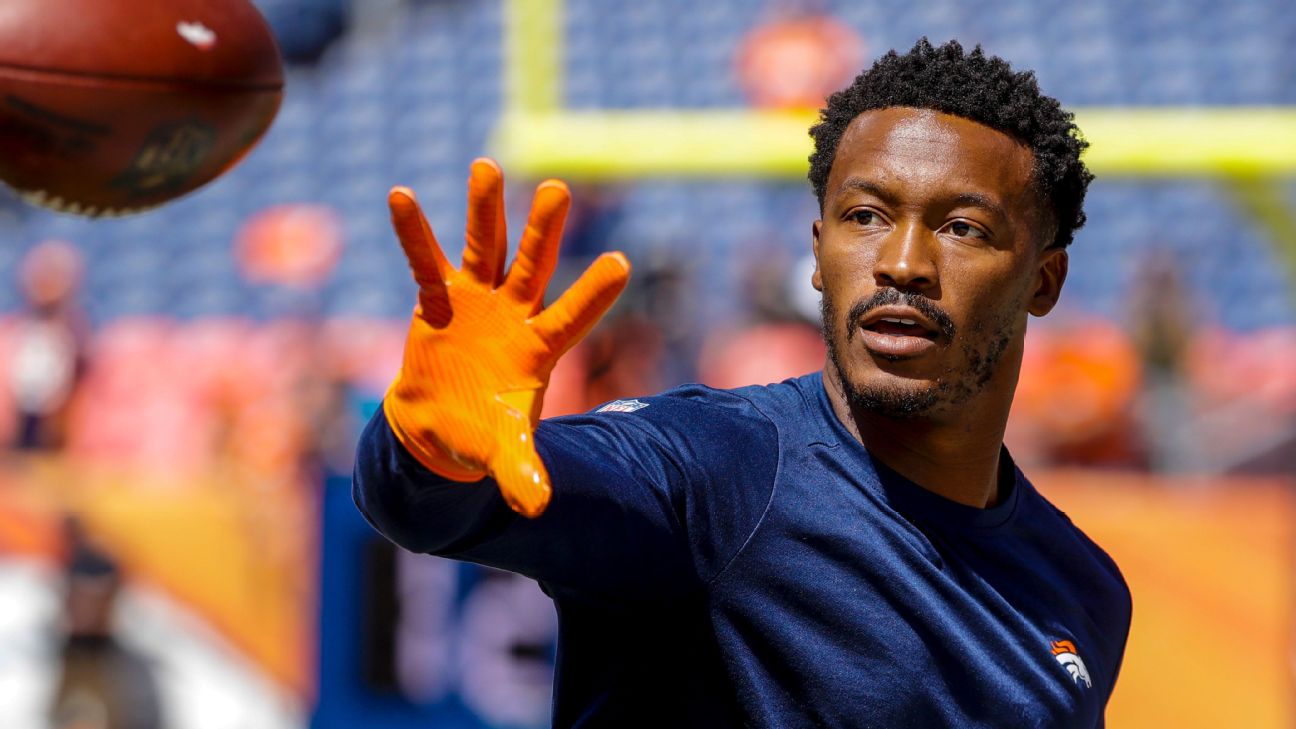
(898, 331)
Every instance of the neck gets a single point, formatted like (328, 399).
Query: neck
(955, 456)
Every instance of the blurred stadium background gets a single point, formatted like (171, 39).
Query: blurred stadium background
(182, 389)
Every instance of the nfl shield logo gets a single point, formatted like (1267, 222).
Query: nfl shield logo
(622, 406)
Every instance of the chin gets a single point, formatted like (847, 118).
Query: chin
(894, 396)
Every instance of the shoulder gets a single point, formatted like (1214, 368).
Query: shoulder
(717, 454)
(696, 411)
(1099, 563)
(1095, 580)
(778, 403)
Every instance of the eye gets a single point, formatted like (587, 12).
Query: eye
(864, 217)
(964, 229)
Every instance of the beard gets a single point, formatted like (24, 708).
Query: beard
(983, 348)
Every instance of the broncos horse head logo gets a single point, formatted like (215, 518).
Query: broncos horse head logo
(1065, 653)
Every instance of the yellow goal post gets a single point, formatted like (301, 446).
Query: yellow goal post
(1250, 150)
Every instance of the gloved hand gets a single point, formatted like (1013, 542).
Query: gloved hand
(481, 345)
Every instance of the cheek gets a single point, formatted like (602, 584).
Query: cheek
(997, 299)
(838, 297)
(843, 275)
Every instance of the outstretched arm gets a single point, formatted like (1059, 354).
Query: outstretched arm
(613, 528)
(481, 347)
(450, 464)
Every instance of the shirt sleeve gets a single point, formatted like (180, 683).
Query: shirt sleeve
(648, 504)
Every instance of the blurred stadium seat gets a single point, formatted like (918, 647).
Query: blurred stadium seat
(414, 104)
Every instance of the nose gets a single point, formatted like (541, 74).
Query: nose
(907, 259)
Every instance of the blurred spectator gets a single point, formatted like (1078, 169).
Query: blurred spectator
(667, 295)
(1244, 398)
(649, 342)
(1076, 396)
(761, 354)
(323, 401)
(625, 357)
(1162, 316)
(103, 684)
(768, 279)
(295, 245)
(49, 347)
(781, 341)
(797, 59)
(646, 343)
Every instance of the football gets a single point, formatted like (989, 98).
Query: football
(109, 107)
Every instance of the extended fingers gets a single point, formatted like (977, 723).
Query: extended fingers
(538, 251)
(485, 238)
(581, 306)
(425, 257)
(426, 261)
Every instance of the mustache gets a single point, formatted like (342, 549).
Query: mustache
(894, 297)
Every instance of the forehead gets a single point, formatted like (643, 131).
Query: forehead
(922, 152)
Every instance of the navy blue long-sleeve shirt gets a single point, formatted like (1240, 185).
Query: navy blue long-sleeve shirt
(737, 558)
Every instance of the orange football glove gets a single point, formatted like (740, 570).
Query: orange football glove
(481, 345)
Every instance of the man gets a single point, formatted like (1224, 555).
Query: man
(103, 684)
(48, 360)
(850, 548)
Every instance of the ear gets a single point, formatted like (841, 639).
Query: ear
(1050, 276)
(816, 279)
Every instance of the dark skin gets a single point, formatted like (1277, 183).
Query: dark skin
(938, 217)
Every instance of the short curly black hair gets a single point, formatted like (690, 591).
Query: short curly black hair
(974, 86)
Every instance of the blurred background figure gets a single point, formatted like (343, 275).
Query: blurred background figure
(1077, 397)
(797, 56)
(1163, 323)
(648, 342)
(777, 334)
(48, 346)
(103, 684)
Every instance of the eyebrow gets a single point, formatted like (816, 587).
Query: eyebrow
(963, 199)
(977, 200)
(859, 184)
